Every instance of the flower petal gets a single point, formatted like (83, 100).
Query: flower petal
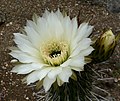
(55, 27)
(24, 44)
(77, 68)
(26, 68)
(67, 25)
(65, 74)
(83, 31)
(47, 82)
(32, 77)
(24, 57)
(31, 24)
(44, 72)
(82, 45)
(34, 37)
(86, 52)
(66, 63)
(54, 72)
(77, 62)
(46, 14)
(88, 31)
(59, 15)
(74, 27)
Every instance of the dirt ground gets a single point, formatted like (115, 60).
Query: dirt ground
(13, 15)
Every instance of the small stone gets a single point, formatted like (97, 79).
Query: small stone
(3, 67)
(27, 98)
(118, 85)
(116, 80)
(8, 24)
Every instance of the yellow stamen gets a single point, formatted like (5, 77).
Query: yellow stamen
(55, 53)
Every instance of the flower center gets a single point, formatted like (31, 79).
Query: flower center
(55, 53)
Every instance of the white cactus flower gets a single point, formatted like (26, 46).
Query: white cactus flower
(52, 48)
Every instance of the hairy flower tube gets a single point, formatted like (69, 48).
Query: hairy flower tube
(51, 49)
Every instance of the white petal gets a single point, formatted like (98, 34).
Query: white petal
(77, 68)
(47, 82)
(24, 44)
(88, 31)
(35, 18)
(40, 28)
(77, 61)
(84, 31)
(44, 72)
(24, 57)
(31, 24)
(59, 14)
(55, 27)
(25, 68)
(81, 31)
(34, 37)
(74, 27)
(54, 72)
(46, 14)
(32, 77)
(66, 63)
(67, 25)
(86, 52)
(65, 74)
(82, 45)
(43, 30)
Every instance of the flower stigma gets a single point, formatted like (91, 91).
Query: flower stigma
(55, 53)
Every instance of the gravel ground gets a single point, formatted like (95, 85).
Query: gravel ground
(103, 14)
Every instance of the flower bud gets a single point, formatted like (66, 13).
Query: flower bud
(107, 40)
(104, 47)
